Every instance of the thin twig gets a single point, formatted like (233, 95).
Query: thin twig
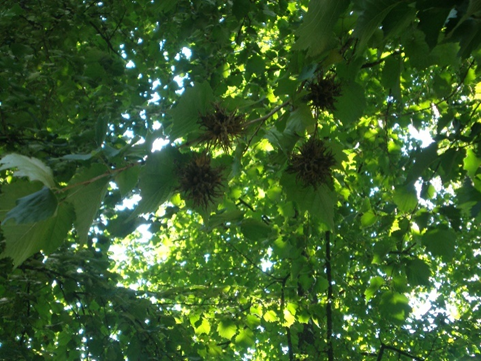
(268, 115)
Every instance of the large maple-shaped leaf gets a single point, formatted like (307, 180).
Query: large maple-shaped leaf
(193, 103)
(32, 168)
(86, 198)
(318, 202)
(316, 32)
(157, 179)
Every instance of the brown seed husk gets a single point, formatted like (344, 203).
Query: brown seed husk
(312, 164)
(323, 93)
(199, 182)
(221, 127)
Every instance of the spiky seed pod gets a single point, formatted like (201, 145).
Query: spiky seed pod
(312, 164)
(199, 182)
(323, 93)
(221, 127)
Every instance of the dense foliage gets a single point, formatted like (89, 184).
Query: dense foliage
(240, 180)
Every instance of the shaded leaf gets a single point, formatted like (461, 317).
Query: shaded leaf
(316, 32)
(34, 207)
(86, 198)
(157, 179)
(440, 242)
(255, 230)
(350, 105)
(186, 114)
(319, 203)
(418, 272)
(395, 306)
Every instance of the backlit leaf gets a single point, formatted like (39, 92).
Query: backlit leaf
(32, 168)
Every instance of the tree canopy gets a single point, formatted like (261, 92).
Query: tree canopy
(240, 180)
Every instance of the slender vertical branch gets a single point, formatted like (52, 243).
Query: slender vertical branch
(330, 350)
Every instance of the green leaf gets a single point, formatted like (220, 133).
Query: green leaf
(240, 8)
(22, 241)
(395, 306)
(127, 179)
(34, 207)
(471, 163)
(87, 196)
(255, 230)
(368, 218)
(391, 75)
(32, 168)
(405, 198)
(227, 328)
(418, 51)
(300, 120)
(270, 316)
(194, 102)
(431, 21)
(316, 32)
(319, 203)
(422, 160)
(418, 272)
(245, 338)
(374, 284)
(370, 20)
(157, 179)
(203, 328)
(440, 242)
(350, 105)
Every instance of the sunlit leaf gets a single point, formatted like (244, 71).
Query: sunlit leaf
(32, 168)
(227, 328)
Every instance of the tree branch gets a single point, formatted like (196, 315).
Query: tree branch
(94, 179)
(268, 115)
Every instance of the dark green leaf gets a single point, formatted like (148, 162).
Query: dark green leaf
(316, 32)
(440, 242)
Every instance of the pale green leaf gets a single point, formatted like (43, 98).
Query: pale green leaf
(368, 218)
(32, 168)
(203, 328)
(33, 208)
(270, 316)
(300, 120)
(316, 32)
(87, 196)
(227, 328)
